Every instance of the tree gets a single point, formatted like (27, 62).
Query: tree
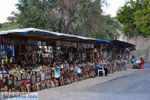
(66, 16)
(135, 17)
(109, 28)
(80, 17)
(142, 21)
(12, 17)
(32, 14)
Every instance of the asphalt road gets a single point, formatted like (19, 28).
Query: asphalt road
(134, 86)
(131, 84)
(131, 87)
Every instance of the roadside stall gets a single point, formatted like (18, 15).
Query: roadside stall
(33, 59)
(114, 55)
(121, 54)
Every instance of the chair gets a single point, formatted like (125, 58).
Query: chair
(101, 72)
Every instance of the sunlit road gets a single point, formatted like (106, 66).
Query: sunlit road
(134, 86)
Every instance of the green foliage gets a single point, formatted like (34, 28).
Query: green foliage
(109, 28)
(1, 25)
(8, 25)
(142, 21)
(68, 16)
(31, 14)
(80, 17)
(135, 16)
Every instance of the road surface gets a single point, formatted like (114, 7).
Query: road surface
(126, 85)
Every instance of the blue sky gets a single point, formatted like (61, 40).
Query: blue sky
(7, 6)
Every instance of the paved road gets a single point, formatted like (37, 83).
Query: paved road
(131, 87)
(134, 86)
(131, 84)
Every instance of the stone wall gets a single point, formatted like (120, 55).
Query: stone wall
(142, 47)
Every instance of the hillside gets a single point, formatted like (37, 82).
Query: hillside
(8, 25)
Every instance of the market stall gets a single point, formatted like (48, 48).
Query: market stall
(121, 54)
(34, 59)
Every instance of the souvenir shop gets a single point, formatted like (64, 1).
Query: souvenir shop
(120, 52)
(114, 55)
(33, 59)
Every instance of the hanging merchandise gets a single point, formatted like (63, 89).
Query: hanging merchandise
(33, 78)
(20, 50)
(39, 43)
(43, 43)
(57, 73)
(31, 42)
(4, 80)
(34, 57)
(48, 85)
(28, 77)
(58, 43)
(18, 75)
(2, 54)
(70, 56)
(10, 83)
(48, 75)
(18, 81)
(95, 50)
(38, 77)
(78, 70)
(42, 76)
(23, 75)
(53, 73)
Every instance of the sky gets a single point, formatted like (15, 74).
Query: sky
(113, 6)
(7, 6)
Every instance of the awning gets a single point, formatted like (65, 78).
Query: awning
(122, 43)
(104, 41)
(34, 32)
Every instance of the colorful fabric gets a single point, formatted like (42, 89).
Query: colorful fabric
(78, 70)
(57, 73)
